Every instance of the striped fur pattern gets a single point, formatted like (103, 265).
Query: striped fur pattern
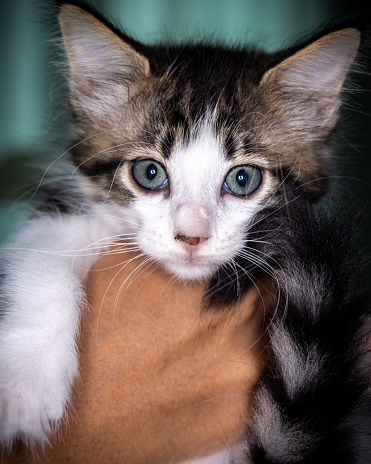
(199, 111)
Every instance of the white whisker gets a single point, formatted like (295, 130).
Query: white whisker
(122, 268)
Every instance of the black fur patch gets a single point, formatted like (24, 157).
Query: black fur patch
(167, 144)
(56, 204)
(101, 168)
(323, 310)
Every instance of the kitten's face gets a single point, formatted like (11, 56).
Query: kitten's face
(193, 141)
(193, 225)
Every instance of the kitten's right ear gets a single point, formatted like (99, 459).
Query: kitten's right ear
(97, 56)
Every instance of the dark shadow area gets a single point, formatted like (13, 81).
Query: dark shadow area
(19, 177)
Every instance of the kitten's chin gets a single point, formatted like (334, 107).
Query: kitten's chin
(190, 272)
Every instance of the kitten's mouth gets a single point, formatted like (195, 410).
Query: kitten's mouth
(190, 261)
(191, 252)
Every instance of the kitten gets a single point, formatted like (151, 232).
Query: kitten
(209, 160)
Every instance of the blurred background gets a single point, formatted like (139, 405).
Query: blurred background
(34, 122)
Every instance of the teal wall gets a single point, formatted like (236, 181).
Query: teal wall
(31, 111)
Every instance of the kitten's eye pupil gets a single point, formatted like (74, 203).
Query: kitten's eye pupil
(241, 177)
(151, 171)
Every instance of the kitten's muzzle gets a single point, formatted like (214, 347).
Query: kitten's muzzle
(190, 240)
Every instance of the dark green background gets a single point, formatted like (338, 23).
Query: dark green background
(33, 119)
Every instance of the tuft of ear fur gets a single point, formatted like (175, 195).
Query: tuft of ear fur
(102, 65)
(308, 84)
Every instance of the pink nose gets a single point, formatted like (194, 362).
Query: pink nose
(192, 223)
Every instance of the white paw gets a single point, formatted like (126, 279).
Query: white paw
(33, 397)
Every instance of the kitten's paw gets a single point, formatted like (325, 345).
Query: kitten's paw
(32, 402)
(26, 417)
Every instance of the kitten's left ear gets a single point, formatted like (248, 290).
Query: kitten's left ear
(308, 83)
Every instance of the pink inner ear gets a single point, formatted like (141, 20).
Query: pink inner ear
(93, 50)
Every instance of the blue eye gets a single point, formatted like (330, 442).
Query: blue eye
(150, 175)
(242, 180)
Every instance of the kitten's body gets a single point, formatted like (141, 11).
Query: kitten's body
(200, 116)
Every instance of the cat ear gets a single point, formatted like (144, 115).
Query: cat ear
(307, 85)
(97, 56)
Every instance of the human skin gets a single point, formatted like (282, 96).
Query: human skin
(160, 379)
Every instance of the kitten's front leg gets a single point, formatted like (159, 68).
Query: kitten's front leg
(41, 300)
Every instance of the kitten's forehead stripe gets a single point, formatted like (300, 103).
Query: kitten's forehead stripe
(181, 122)
(230, 144)
(167, 144)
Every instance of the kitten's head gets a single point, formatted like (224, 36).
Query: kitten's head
(194, 140)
